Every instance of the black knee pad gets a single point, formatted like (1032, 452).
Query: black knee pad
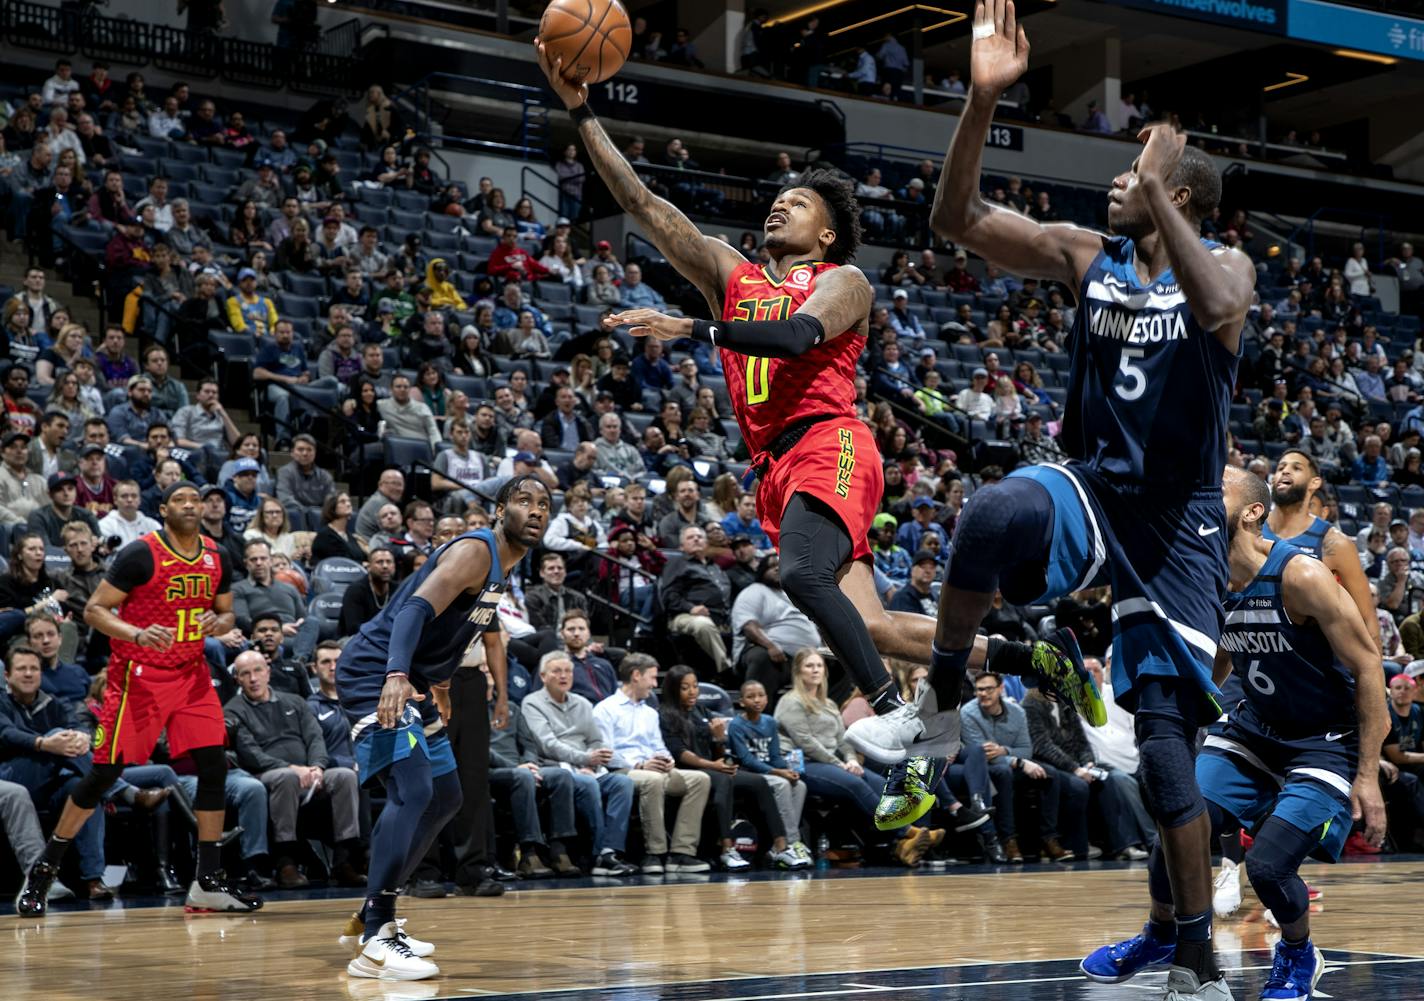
(814, 546)
(1169, 780)
(1273, 866)
(211, 764)
(89, 790)
(1013, 519)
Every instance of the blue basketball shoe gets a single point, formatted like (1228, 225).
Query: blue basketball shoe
(1294, 973)
(1118, 963)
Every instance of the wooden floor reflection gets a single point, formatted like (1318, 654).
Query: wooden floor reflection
(596, 938)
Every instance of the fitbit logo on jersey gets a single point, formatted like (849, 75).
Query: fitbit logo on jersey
(1135, 328)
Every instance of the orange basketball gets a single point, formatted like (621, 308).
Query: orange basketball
(592, 37)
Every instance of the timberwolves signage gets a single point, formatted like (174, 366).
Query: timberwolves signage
(1252, 15)
(1354, 28)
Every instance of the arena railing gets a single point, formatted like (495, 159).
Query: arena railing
(316, 69)
(532, 138)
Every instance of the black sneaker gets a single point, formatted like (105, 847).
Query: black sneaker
(427, 889)
(677, 862)
(969, 817)
(34, 892)
(213, 892)
(613, 864)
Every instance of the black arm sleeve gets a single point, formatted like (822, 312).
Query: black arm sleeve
(762, 338)
(132, 566)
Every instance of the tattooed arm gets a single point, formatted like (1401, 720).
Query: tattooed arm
(703, 260)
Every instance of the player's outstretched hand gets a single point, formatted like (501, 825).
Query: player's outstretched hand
(1164, 145)
(651, 323)
(1366, 803)
(572, 94)
(998, 54)
(396, 692)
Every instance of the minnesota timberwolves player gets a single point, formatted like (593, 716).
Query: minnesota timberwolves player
(1298, 761)
(1294, 490)
(393, 678)
(1153, 355)
(1295, 496)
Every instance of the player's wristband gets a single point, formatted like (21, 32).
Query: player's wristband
(582, 113)
(787, 338)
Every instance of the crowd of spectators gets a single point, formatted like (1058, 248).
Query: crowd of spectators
(653, 650)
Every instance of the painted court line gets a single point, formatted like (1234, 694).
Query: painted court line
(851, 988)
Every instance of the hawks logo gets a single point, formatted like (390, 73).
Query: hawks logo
(800, 278)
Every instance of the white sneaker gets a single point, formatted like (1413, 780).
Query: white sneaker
(58, 891)
(1132, 853)
(1183, 985)
(787, 858)
(801, 851)
(1226, 889)
(888, 738)
(732, 861)
(355, 936)
(387, 957)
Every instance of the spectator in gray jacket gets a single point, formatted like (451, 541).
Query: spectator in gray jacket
(302, 482)
(277, 738)
(408, 417)
(613, 455)
(260, 593)
(1001, 728)
(557, 728)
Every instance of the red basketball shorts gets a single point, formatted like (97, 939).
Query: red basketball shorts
(836, 462)
(140, 702)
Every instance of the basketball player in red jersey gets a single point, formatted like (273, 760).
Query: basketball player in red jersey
(171, 588)
(790, 335)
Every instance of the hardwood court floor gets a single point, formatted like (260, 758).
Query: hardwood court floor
(1004, 935)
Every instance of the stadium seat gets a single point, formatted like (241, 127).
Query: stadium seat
(335, 574)
(403, 453)
(326, 609)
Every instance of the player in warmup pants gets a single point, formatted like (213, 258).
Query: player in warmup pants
(1298, 760)
(790, 334)
(1152, 361)
(393, 679)
(171, 588)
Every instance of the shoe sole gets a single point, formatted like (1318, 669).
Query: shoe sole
(676, 869)
(980, 822)
(355, 969)
(891, 822)
(1078, 685)
(888, 755)
(1122, 979)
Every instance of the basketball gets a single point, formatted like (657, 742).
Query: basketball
(592, 37)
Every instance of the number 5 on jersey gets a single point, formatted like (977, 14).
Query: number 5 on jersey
(1134, 382)
(759, 369)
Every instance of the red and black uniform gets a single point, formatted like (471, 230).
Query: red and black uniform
(151, 690)
(835, 460)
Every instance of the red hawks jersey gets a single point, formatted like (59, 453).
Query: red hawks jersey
(770, 394)
(166, 588)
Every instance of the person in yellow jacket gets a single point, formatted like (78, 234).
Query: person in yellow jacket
(443, 295)
(247, 311)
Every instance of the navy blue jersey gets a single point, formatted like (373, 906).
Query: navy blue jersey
(442, 642)
(1149, 390)
(1293, 686)
(1311, 541)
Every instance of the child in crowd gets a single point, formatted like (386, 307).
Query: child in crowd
(755, 744)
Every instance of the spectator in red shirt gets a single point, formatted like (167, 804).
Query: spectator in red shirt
(511, 261)
(957, 279)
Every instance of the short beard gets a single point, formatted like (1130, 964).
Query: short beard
(1296, 494)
